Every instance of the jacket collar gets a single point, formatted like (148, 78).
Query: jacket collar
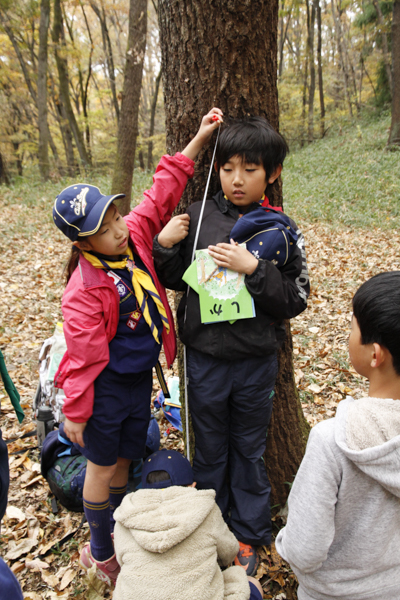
(227, 207)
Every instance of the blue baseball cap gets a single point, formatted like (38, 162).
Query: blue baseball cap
(174, 463)
(79, 210)
(268, 234)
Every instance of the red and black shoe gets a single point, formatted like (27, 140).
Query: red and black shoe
(247, 558)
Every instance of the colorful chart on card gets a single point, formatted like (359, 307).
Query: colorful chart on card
(222, 292)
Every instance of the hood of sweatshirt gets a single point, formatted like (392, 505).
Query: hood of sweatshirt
(160, 519)
(368, 432)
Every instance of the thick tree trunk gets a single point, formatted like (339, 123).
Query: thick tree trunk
(42, 90)
(225, 55)
(394, 135)
(128, 122)
(62, 68)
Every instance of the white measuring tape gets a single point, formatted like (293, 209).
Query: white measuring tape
(187, 295)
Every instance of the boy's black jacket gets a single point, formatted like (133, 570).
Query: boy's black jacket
(278, 293)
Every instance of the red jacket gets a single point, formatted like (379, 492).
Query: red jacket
(90, 302)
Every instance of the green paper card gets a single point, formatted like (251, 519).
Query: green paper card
(222, 293)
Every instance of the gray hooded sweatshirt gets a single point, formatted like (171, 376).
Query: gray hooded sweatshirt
(168, 541)
(342, 537)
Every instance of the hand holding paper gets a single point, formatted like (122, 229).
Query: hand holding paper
(222, 292)
(234, 257)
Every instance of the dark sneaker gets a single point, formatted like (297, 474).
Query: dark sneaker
(247, 558)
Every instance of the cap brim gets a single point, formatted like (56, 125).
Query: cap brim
(97, 214)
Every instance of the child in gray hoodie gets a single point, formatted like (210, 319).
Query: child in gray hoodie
(342, 536)
(171, 538)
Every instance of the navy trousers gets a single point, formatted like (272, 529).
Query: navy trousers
(230, 403)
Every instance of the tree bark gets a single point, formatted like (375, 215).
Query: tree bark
(43, 152)
(394, 135)
(150, 164)
(62, 68)
(225, 55)
(128, 122)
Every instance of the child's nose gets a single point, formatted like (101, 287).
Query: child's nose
(237, 180)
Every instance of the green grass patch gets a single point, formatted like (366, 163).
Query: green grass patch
(349, 178)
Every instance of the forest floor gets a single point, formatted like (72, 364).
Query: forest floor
(340, 190)
(339, 258)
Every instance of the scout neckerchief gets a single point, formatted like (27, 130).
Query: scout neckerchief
(141, 282)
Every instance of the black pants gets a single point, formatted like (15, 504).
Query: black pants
(231, 404)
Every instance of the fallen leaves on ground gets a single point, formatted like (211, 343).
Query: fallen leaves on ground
(33, 253)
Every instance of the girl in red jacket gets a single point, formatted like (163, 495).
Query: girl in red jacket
(116, 317)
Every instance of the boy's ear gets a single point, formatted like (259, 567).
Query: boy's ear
(275, 174)
(82, 245)
(216, 167)
(378, 355)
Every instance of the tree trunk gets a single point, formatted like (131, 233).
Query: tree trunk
(150, 164)
(311, 91)
(44, 165)
(66, 134)
(226, 56)
(128, 122)
(339, 41)
(62, 68)
(304, 103)
(385, 46)
(283, 30)
(394, 135)
(320, 79)
(4, 178)
(110, 69)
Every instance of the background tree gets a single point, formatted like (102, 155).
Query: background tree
(128, 122)
(226, 56)
(394, 135)
(64, 82)
(43, 150)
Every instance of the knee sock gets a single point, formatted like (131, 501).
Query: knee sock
(98, 517)
(116, 497)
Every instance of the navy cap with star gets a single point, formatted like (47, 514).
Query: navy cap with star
(79, 210)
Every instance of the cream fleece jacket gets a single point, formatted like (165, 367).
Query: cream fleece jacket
(342, 536)
(168, 542)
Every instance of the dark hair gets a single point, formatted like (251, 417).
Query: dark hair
(376, 306)
(156, 476)
(255, 141)
(72, 263)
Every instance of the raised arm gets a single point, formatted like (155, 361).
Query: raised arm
(148, 218)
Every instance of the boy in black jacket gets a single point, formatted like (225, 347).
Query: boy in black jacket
(232, 367)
